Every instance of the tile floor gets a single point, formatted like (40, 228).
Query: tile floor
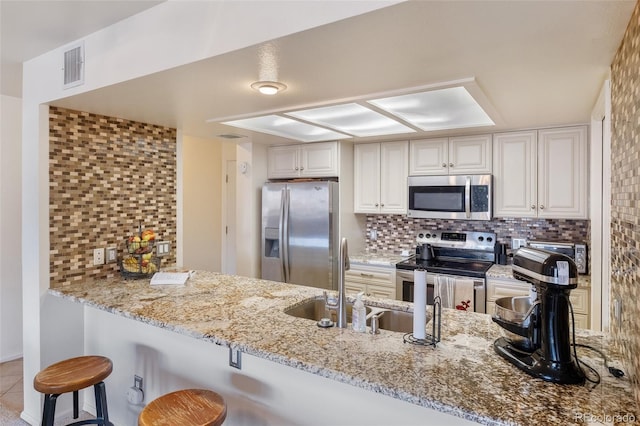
(11, 387)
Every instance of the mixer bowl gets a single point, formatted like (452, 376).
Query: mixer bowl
(516, 310)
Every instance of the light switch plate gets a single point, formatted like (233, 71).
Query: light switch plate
(112, 254)
(163, 248)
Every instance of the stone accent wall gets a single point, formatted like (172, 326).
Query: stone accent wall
(397, 232)
(625, 197)
(106, 177)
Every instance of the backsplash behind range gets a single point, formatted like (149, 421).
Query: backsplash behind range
(396, 233)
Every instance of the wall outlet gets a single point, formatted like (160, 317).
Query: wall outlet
(98, 256)
(163, 248)
(112, 254)
(516, 243)
(373, 235)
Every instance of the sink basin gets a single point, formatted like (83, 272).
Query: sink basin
(314, 310)
(391, 319)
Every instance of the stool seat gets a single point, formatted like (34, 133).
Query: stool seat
(72, 374)
(194, 407)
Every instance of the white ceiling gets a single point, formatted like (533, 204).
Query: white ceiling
(539, 63)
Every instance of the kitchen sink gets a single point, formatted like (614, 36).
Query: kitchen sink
(388, 319)
(314, 310)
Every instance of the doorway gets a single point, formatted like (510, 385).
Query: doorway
(229, 222)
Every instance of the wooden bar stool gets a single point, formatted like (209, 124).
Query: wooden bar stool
(193, 407)
(72, 375)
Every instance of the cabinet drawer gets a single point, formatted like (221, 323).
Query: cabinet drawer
(580, 300)
(371, 276)
(354, 288)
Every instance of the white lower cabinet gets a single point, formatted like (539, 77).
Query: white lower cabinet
(503, 287)
(376, 281)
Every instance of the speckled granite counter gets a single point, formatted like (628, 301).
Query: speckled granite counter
(462, 376)
(379, 258)
(506, 272)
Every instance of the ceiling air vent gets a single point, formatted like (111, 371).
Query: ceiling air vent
(73, 66)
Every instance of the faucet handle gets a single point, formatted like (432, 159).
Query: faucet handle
(374, 325)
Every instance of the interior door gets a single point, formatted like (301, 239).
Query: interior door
(229, 231)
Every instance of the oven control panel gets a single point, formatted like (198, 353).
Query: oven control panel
(453, 239)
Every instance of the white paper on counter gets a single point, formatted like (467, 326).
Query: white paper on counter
(419, 303)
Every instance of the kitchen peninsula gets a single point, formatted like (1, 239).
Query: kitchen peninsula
(462, 380)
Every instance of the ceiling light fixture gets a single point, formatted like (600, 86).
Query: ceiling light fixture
(268, 87)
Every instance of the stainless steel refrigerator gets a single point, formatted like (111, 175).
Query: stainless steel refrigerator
(300, 233)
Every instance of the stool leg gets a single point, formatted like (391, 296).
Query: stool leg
(75, 404)
(48, 414)
(101, 403)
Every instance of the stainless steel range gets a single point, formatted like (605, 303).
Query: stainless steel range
(452, 254)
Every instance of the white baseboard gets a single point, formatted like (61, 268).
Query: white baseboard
(8, 358)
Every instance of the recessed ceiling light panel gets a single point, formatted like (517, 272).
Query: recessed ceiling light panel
(450, 108)
(352, 118)
(286, 128)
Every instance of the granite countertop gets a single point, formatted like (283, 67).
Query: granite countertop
(377, 258)
(462, 376)
(506, 272)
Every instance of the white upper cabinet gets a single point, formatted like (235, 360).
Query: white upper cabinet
(541, 173)
(308, 160)
(380, 177)
(562, 173)
(451, 156)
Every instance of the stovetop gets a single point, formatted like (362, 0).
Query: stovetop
(462, 267)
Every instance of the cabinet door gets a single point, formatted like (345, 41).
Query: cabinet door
(319, 160)
(429, 157)
(382, 292)
(514, 174)
(562, 173)
(366, 178)
(394, 158)
(283, 162)
(470, 155)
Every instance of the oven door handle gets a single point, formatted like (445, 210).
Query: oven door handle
(467, 197)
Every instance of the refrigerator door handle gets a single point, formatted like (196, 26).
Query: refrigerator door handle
(285, 231)
(281, 243)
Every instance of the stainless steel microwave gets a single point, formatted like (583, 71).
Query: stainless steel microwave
(450, 197)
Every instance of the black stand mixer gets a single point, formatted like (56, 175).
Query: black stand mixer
(538, 337)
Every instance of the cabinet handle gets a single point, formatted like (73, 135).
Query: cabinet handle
(533, 206)
(450, 164)
(444, 164)
(297, 168)
(382, 205)
(362, 274)
(541, 207)
(301, 168)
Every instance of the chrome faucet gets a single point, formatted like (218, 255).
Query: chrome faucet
(342, 267)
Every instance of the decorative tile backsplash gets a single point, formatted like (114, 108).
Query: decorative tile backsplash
(396, 233)
(106, 176)
(625, 197)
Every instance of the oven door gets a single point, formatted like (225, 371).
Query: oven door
(450, 197)
(404, 283)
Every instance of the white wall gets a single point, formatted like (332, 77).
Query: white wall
(10, 220)
(202, 203)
